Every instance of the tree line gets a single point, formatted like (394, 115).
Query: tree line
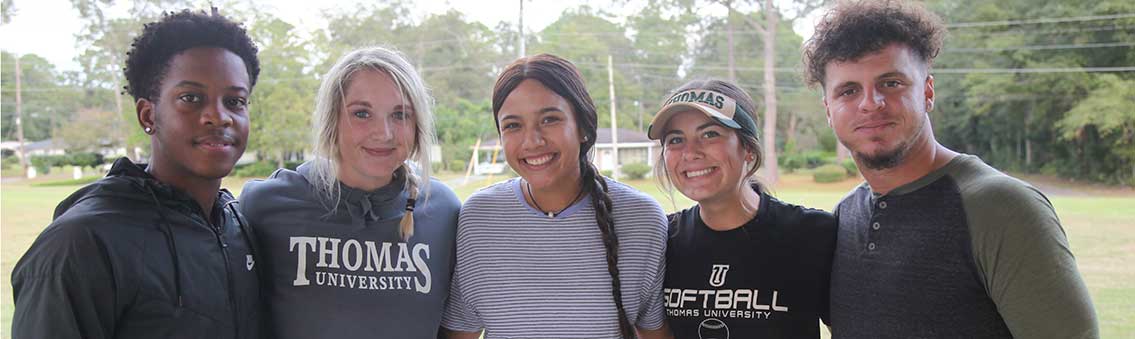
(1031, 86)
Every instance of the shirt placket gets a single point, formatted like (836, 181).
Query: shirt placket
(876, 224)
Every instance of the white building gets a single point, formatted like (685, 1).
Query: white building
(634, 147)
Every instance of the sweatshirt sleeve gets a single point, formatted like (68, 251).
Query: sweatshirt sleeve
(1026, 263)
(63, 287)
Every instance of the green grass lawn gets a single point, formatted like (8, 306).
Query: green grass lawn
(1101, 231)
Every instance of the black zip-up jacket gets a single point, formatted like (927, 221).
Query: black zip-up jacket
(131, 257)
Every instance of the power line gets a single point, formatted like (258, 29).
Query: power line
(1035, 70)
(1040, 21)
(1041, 70)
(949, 25)
(1048, 31)
(1041, 47)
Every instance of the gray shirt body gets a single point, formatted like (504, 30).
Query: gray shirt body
(521, 274)
(346, 273)
(963, 252)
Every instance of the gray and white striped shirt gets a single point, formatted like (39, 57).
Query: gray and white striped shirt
(521, 274)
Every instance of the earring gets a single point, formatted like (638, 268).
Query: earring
(148, 130)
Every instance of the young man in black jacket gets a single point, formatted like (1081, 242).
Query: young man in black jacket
(158, 251)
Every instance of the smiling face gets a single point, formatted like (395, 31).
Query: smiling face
(704, 159)
(540, 137)
(878, 105)
(376, 130)
(199, 123)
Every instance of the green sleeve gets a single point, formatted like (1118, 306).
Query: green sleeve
(1023, 257)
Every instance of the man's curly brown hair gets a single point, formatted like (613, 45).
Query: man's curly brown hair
(853, 29)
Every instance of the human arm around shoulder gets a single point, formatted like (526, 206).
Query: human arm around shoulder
(63, 287)
(1027, 265)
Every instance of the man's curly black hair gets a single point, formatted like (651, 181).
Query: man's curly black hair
(856, 28)
(149, 56)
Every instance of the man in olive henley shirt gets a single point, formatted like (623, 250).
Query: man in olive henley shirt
(935, 244)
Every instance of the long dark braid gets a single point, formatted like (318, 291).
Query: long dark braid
(564, 79)
(597, 187)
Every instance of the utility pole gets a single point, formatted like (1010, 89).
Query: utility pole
(638, 106)
(20, 118)
(614, 126)
(729, 37)
(520, 28)
(770, 161)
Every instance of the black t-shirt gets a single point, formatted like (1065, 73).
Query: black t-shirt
(766, 279)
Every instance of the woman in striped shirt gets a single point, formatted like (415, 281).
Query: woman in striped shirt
(561, 251)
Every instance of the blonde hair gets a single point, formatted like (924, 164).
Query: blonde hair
(328, 104)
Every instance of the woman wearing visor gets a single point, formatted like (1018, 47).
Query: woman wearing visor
(740, 263)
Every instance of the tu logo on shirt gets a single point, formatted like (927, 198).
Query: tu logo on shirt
(717, 275)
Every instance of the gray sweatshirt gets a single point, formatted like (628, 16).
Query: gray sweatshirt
(346, 273)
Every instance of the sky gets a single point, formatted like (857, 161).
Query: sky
(48, 27)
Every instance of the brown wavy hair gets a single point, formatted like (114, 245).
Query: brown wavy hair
(751, 142)
(853, 29)
(563, 78)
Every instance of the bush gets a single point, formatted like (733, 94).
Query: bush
(11, 162)
(44, 163)
(636, 170)
(829, 173)
(606, 173)
(849, 165)
(259, 169)
(794, 161)
(86, 159)
(457, 165)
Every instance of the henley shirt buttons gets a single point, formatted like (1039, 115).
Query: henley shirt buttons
(875, 226)
(883, 205)
(871, 246)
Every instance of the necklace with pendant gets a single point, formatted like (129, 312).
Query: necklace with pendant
(550, 213)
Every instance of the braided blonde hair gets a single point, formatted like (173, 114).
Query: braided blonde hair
(329, 101)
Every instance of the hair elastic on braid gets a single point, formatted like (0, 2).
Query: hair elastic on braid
(407, 225)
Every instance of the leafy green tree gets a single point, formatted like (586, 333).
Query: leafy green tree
(587, 37)
(455, 56)
(1017, 87)
(42, 87)
(1106, 117)
(661, 46)
(282, 102)
(7, 11)
(460, 125)
(103, 43)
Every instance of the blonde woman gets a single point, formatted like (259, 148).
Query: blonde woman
(358, 242)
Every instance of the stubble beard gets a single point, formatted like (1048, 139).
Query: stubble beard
(888, 159)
